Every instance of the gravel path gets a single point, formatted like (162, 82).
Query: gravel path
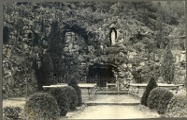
(114, 99)
(113, 112)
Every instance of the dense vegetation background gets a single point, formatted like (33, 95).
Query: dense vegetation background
(47, 43)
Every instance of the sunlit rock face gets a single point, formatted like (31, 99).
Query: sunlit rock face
(183, 56)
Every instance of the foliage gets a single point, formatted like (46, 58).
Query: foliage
(139, 46)
(154, 97)
(147, 72)
(55, 49)
(71, 70)
(115, 54)
(167, 66)
(151, 85)
(177, 106)
(149, 45)
(19, 24)
(145, 67)
(62, 100)
(137, 76)
(72, 97)
(170, 11)
(41, 106)
(44, 74)
(164, 101)
(78, 90)
(12, 112)
(73, 83)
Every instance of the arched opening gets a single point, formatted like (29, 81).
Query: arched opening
(101, 74)
(6, 33)
(70, 39)
(75, 48)
(77, 30)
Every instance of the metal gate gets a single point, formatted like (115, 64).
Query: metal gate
(101, 81)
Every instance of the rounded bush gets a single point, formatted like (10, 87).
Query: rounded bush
(177, 106)
(164, 101)
(72, 97)
(78, 90)
(12, 112)
(72, 82)
(154, 97)
(62, 100)
(151, 85)
(41, 106)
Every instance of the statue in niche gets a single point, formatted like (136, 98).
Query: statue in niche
(113, 36)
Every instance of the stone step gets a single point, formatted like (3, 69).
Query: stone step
(111, 103)
(112, 92)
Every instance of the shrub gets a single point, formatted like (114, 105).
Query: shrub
(167, 66)
(177, 106)
(44, 73)
(154, 97)
(62, 100)
(72, 97)
(151, 85)
(12, 112)
(78, 90)
(137, 76)
(73, 83)
(41, 106)
(164, 101)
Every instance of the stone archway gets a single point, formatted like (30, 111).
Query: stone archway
(75, 52)
(101, 74)
(75, 39)
(77, 30)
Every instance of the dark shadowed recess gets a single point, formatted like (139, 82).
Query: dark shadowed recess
(101, 74)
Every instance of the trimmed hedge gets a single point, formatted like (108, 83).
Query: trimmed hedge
(78, 90)
(164, 101)
(151, 85)
(41, 106)
(154, 97)
(177, 106)
(71, 96)
(73, 83)
(62, 100)
(12, 112)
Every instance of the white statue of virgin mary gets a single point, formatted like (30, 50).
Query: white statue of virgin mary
(113, 37)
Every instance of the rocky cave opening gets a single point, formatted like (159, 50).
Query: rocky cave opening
(101, 74)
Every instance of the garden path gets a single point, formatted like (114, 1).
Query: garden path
(122, 106)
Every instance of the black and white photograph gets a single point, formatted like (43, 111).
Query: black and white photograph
(94, 60)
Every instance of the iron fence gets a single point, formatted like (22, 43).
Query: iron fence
(101, 82)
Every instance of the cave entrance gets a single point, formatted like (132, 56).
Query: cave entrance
(101, 74)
